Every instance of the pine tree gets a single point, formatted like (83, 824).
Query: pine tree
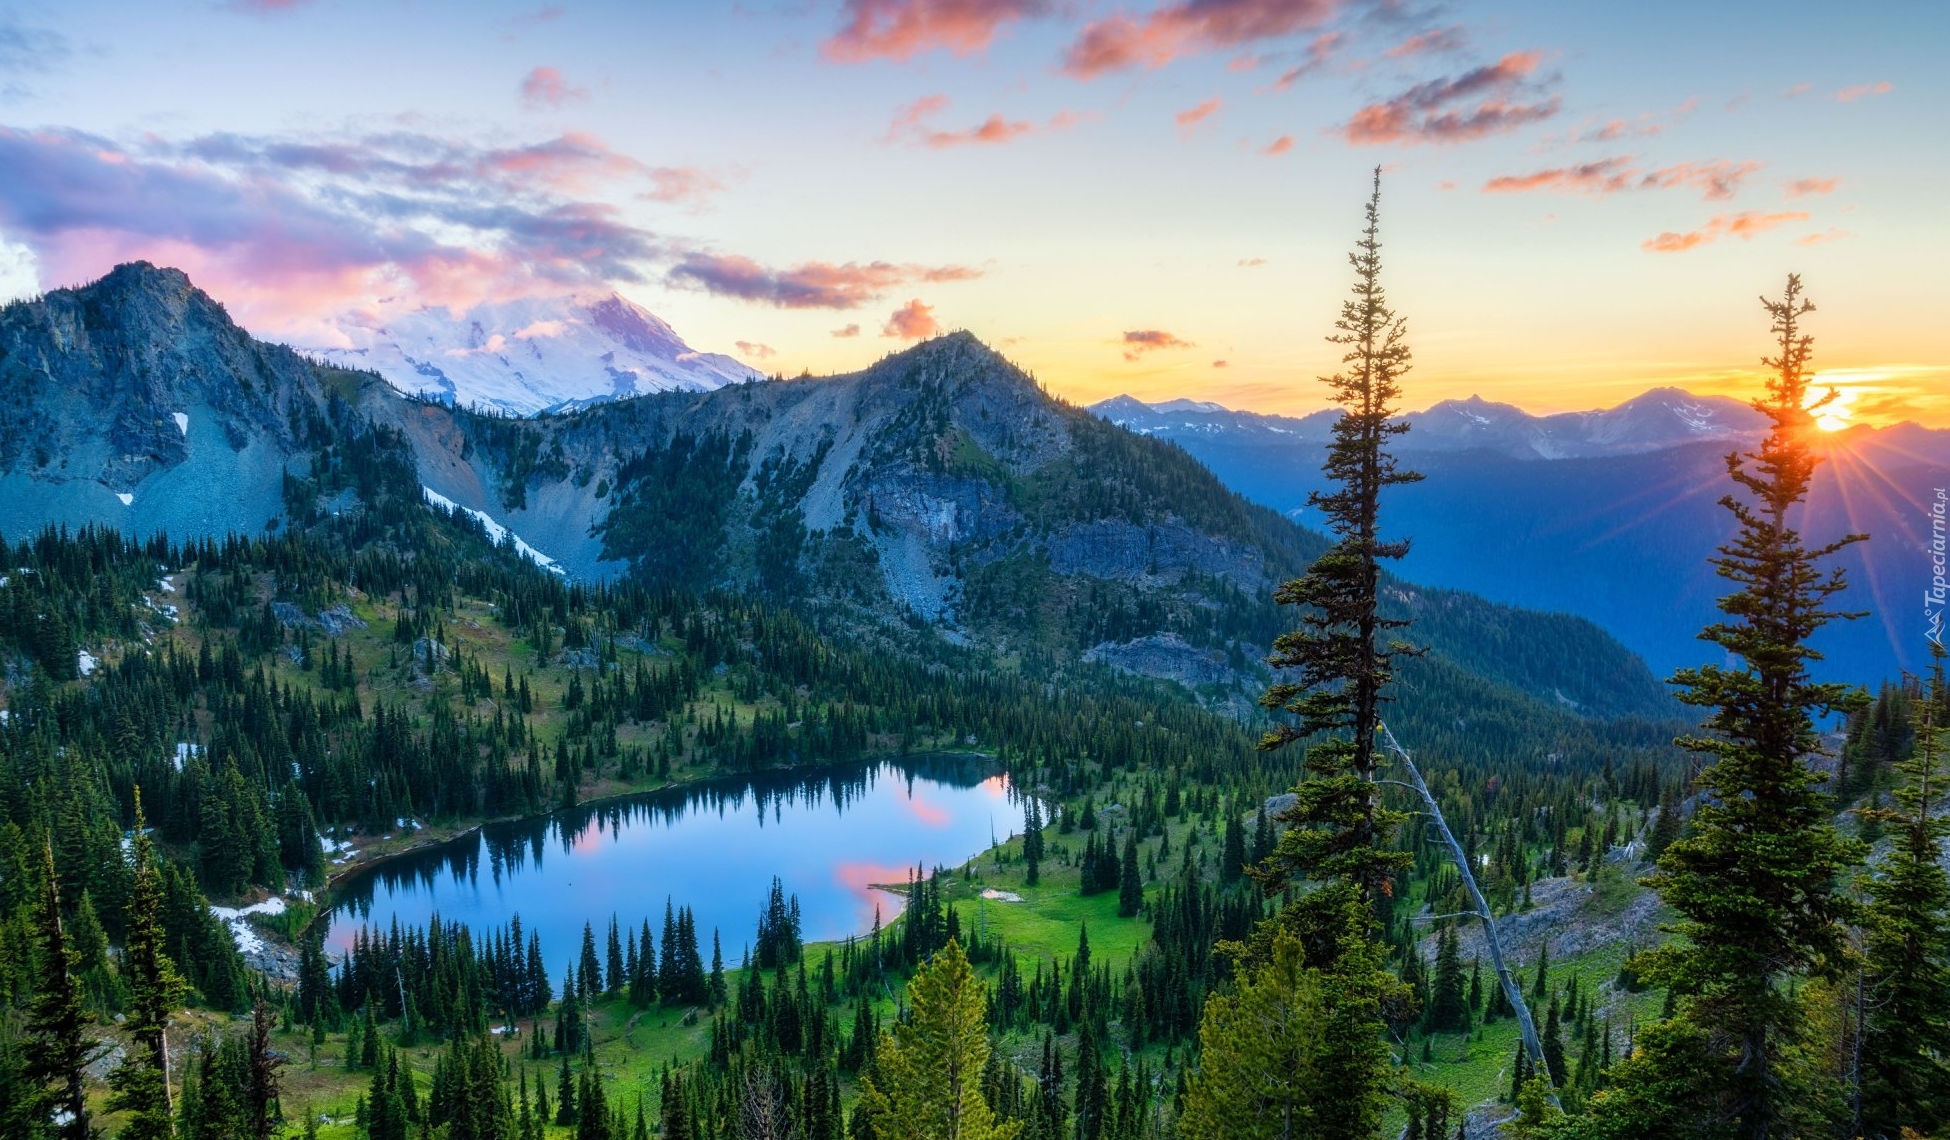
(1758, 880)
(1338, 833)
(1448, 1001)
(56, 1045)
(1130, 888)
(156, 990)
(928, 1084)
(1264, 1049)
(1905, 1046)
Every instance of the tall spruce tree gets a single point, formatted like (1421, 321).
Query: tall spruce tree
(929, 1080)
(57, 1044)
(1264, 1049)
(156, 990)
(1904, 1081)
(1758, 883)
(1338, 833)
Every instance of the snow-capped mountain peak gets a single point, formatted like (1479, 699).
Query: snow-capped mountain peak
(530, 355)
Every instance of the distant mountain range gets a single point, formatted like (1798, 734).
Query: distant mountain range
(1610, 515)
(538, 354)
(1659, 419)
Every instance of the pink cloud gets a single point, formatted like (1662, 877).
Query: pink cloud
(1121, 42)
(292, 230)
(810, 285)
(910, 124)
(848, 331)
(1716, 181)
(1191, 117)
(681, 184)
(1437, 111)
(1811, 187)
(545, 87)
(1436, 42)
(1278, 146)
(1319, 53)
(1251, 262)
(1219, 364)
(1797, 90)
(1863, 91)
(1823, 238)
(912, 321)
(1602, 176)
(901, 29)
(1743, 225)
(752, 350)
(1137, 342)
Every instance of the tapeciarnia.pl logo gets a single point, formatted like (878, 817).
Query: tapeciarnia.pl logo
(1937, 597)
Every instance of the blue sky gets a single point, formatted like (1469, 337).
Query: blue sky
(1580, 200)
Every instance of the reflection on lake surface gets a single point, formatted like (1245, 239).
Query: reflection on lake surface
(713, 847)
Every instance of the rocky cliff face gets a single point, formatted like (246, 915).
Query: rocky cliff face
(136, 403)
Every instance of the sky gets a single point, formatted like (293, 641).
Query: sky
(1579, 201)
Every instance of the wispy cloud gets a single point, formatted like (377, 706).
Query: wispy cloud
(912, 124)
(852, 330)
(1121, 42)
(545, 88)
(753, 350)
(1823, 238)
(810, 285)
(1278, 146)
(1811, 187)
(1717, 180)
(1437, 41)
(912, 321)
(1137, 342)
(1483, 101)
(901, 29)
(1189, 118)
(1863, 91)
(1320, 52)
(1745, 225)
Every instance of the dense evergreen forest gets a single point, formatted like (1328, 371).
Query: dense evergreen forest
(1258, 929)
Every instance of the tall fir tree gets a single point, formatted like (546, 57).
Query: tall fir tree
(929, 1080)
(1339, 833)
(57, 1044)
(1758, 883)
(156, 991)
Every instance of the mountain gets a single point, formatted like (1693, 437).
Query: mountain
(1658, 419)
(1619, 531)
(938, 498)
(536, 354)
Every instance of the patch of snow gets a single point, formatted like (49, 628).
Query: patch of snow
(184, 751)
(1001, 896)
(127, 499)
(182, 422)
(495, 531)
(84, 662)
(238, 919)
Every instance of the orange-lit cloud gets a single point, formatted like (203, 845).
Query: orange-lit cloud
(1434, 42)
(1121, 42)
(1137, 342)
(810, 285)
(1251, 262)
(912, 321)
(681, 184)
(1863, 91)
(1484, 101)
(1810, 187)
(1743, 225)
(1191, 117)
(1823, 238)
(545, 87)
(1601, 176)
(1218, 364)
(849, 331)
(901, 29)
(1278, 146)
(756, 351)
(910, 124)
